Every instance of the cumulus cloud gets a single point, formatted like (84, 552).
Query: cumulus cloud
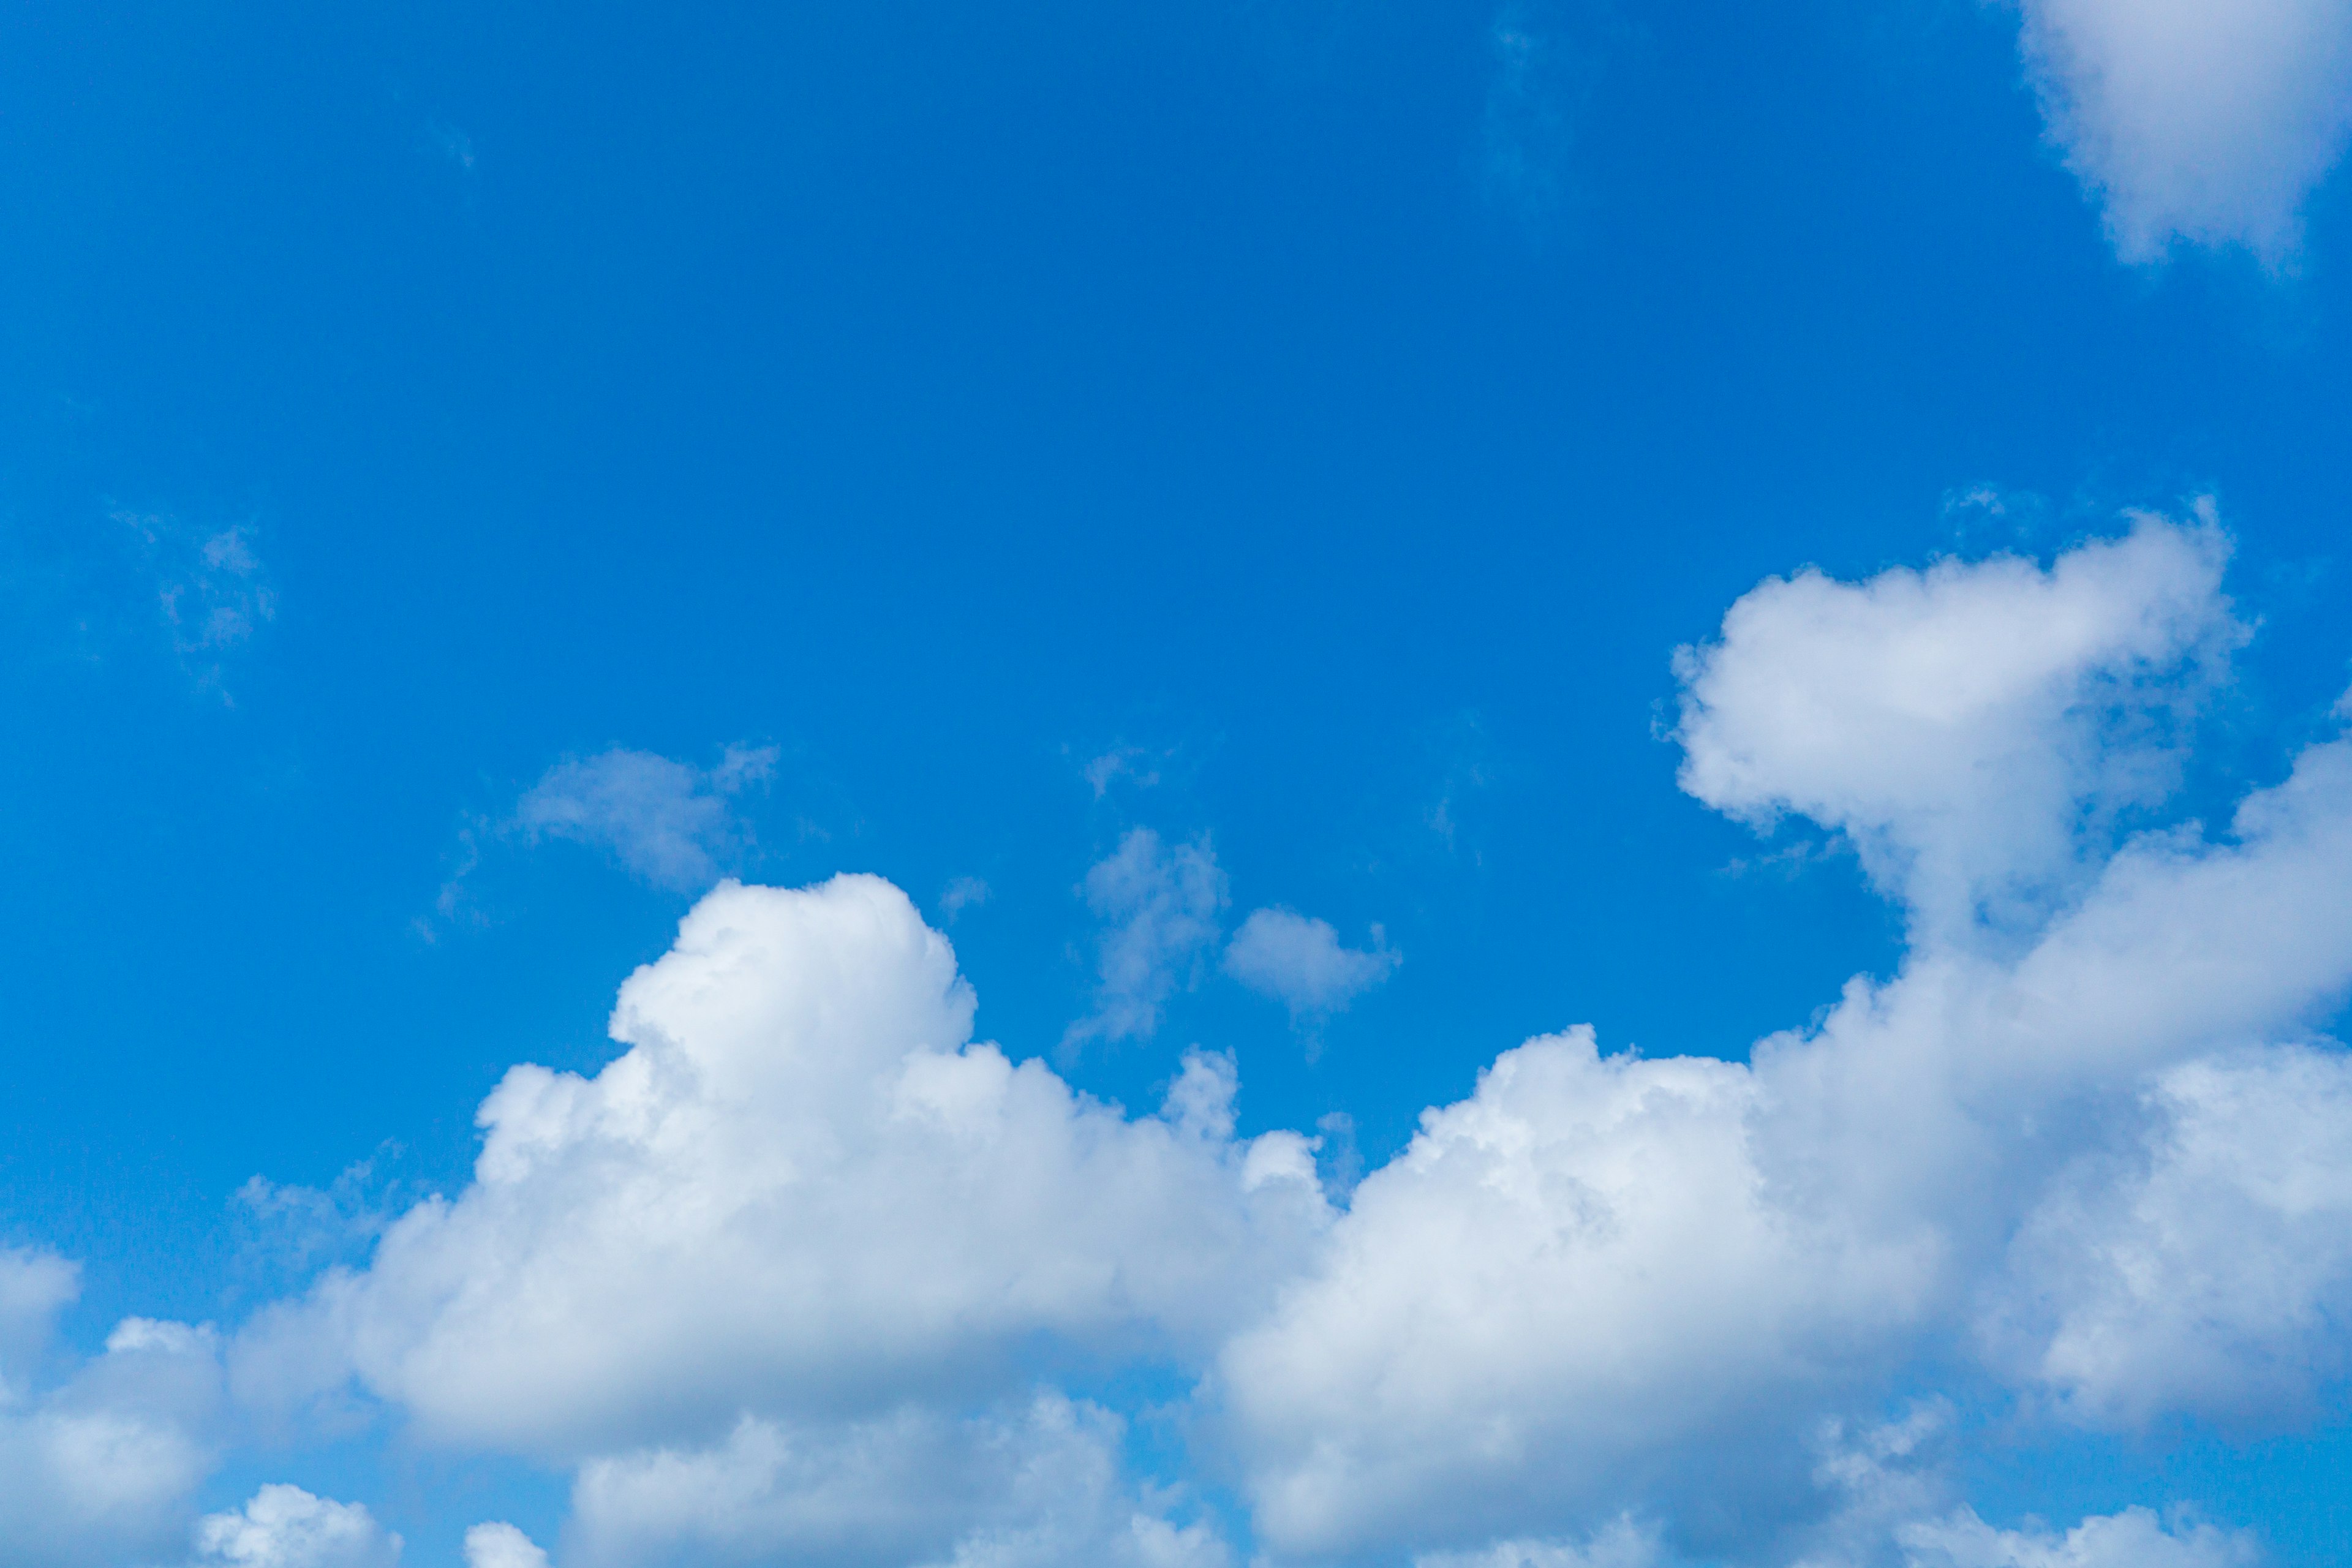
(101, 1467)
(666, 822)
(1159, 907)
(2135, 1538)
(1040, 1488)
(501, 1545)
(1624, 1544)
(1299, 961)
(1959, 724)
(2208, 1269)
(806, 1272)
(801, 1188)
(2194, 122)
(1601, 1276)
(285, 1526)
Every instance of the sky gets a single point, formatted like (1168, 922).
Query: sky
(1244, 784)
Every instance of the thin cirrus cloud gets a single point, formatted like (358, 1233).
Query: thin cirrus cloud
(806, 1272)
(2192, 121)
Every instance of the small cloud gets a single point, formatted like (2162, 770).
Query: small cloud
(963, 893)
(453, 144)
(666, 821)
(1339, 1160)
(1159, 908)
(286, 1233)
(1526, 133)
(501, 1545)
(210, 588)
(1130, 762)
(1299, 961)
(285, 1526)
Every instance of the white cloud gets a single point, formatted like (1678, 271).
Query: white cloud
(2194, 120)
(1158, 909)
(501, 1545)
(962, 893)
(1600, 1278)
(2132, 1538)
(285, 1526)
(801, 1189)
(780, 1279)
(1623, 1545)
(101, 1467)
(2209, 1268)
(666, 822)
(1039, 1488)
(1299, 961)
(1958, 724)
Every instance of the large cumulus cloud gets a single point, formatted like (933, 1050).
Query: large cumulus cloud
(2081, 1132)
(801, 1188)
(805, 1273)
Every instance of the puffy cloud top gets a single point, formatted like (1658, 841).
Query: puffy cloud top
(2196, 121)
(802, 1186)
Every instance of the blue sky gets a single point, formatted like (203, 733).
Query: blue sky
(1203, 502)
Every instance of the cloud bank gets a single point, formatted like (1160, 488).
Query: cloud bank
(806, 1272)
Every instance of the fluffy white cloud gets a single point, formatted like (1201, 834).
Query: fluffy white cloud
(100, 1468)
(2195, 120)
(779, 1276)
(1299, 961)
(1563, 1278)
(1042, 1489)
(1159, 908)
(501, 1545)
(801, 1188)
(1601, 1277)
(1957, 723)
(2132, 1538)
(2210, 1269)
(285, 1526)
(666, 822)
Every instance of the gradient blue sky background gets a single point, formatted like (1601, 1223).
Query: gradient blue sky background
(1334, 414)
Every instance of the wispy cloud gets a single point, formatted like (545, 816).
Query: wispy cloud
(211, 591)
(1159, 910)
(666, 823)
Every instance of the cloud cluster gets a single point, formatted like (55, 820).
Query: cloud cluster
(1603, 1279)
(2194, 122)
(101, 1467)
(807, 1273)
